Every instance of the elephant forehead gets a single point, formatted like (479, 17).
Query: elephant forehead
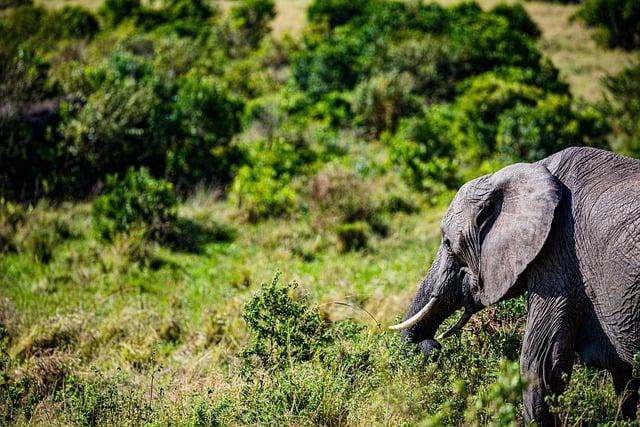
(465, 205)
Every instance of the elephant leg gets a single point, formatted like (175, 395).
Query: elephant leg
(547, 356)
(627, 390)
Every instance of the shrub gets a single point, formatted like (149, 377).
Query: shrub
(618, 21)
(122, 124)
(334, 109)
(424, 149)
(352, 236)
(380, 101)
(71, 22)
(500, 399)
(531, 133)
(208, 117)
(262, 192)
(587, 400)
(487, 40)
(331, 66)
(433, 63)
(21, 24)
(486, 97)
(196, 10)
(283, 328)
(264, 186)
(518, 18)
(335, 12)
(623, 109)
(251, 18)
(113, 12)
(183, 17)
(136, 200)
(11, 217)
(545, 77)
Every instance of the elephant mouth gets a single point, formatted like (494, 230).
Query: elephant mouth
(428, 345)
(421, 328)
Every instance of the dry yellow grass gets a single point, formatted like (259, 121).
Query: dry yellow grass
(582, 62)
(89, 4)
(570, 45)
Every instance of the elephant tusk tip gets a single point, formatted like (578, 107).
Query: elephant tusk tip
(457, 327)
(395, 327)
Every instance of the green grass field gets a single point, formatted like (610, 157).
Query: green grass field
(154, 336)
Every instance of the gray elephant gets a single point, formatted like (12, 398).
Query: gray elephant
(567, 231)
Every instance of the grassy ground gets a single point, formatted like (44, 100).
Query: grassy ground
(131, 332)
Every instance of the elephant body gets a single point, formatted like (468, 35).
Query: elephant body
(567, 231)
(605, 210)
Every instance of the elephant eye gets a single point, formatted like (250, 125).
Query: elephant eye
(446, 242)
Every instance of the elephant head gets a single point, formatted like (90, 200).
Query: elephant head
(494, 228)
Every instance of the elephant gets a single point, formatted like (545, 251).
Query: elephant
(566, 231)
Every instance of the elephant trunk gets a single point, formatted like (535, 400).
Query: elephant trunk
(425, 315)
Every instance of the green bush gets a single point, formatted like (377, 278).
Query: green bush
(331, 66)
(121, 125)
(379, 102)
(262, 192)
(283, 328)
(488, 40)
(251, 18)
(623, 109)
(21, 24)
(335, 12)
(335, 109)
(618, 21)
(264, 187)
(485, 98)
(11, 217)
(587, 400)
(518, 18)
(208, 117)
(352, 236)
(424, 149)
(112, 12)
(433, 62)
(135, 201)
(531, 133)
(187, 18)
(71, 22)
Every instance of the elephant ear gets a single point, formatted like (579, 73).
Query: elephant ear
(514, 223)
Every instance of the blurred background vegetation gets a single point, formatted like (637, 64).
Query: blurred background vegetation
(161, 160)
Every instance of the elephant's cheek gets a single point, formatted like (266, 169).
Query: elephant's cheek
(427, 346)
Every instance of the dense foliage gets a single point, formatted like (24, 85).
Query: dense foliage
(159, 160)
(136, 200)
(623, 106)
(72, 117)
(617, 20)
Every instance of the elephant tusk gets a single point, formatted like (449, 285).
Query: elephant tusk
(416, 317)
(455, 328)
